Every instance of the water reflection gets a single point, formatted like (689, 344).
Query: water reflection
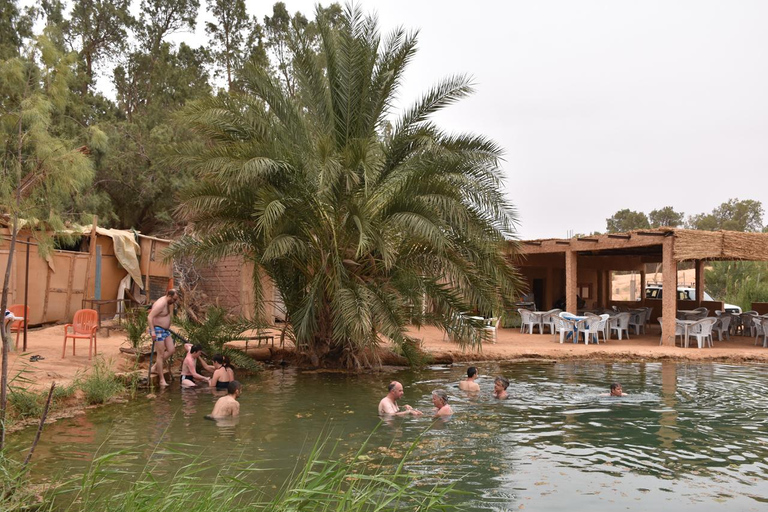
(685, 435)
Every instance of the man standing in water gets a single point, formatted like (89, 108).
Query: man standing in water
(388, 405)
(159, 321)
(227, 406)
(469, 383)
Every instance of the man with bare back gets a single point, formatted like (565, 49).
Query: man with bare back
(159, 320)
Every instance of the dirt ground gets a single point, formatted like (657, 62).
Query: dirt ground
(47, 342)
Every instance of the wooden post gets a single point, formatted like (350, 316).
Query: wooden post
(571, 274)
(669, 294)
(699, 282)
(91, 255)
(642, 286)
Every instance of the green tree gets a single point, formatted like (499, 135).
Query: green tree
(352, 227)
(40, 170)
(626, 220)
(665, 217)
(733, 215)
(98, 29)
(15, 26)
(228, 34)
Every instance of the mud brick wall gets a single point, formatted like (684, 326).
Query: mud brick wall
(223, 283)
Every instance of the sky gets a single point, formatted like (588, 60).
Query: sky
(599, 105)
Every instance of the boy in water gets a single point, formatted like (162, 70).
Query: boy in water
(616, 390)
(227, 406)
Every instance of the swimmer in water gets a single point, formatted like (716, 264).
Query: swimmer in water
(440, 400)
(227, 406)
(500, 385)
(615, 390)
(469, 383)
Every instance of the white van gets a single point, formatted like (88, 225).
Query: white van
(683, 293)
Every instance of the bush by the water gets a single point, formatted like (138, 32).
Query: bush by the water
(100, 384)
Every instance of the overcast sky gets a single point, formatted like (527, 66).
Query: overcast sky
(599, 105)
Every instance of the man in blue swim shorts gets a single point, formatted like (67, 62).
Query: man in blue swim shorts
(159, 320)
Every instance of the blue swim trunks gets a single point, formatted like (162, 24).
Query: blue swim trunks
(161, 333)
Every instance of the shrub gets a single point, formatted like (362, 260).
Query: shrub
(25, 404)
(136, 325)
(100, 384)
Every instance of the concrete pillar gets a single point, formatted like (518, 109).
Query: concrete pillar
(699, 282)
(571, 275)
(669, 295)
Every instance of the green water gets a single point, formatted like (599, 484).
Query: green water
(688, 436)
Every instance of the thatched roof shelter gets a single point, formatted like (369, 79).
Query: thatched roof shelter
(583, 265)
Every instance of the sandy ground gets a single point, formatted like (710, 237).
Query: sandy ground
(47, 342)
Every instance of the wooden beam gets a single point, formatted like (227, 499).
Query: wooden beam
(699, 281)
(669, 296)
(571, 275)
(624, 236)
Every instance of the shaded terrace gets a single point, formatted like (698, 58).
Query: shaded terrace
(583, 266)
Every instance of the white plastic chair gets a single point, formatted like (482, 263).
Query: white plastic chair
(548, 320)
(702, 331)
(637, 320)
(491, 326)
(593, 326)
(758, 326)
(620, 323)
(764, 328)
(679, 331)
(567, 325)
(527, 321)
(723, 325)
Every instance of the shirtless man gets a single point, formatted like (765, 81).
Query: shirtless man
(616, 390)
(469, 383)
(159, 320)
(227, 406)
(189, 368)
(388, 405)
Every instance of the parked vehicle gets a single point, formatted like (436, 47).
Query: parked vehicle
(653, 291)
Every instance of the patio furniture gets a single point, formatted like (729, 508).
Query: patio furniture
(764, 328)
(620, 323)
(19, 322)
(680, 330)
(723, 325)
(702, 331)
(758, 328)
(491, 326)
(648, 313)
(548, 320)
(637, 320)
(84, 325)
(748, 326)
(528, 321)
(570, 325)
(593, 326)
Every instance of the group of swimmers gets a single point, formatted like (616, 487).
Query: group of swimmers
(222, 377)
(388, 405)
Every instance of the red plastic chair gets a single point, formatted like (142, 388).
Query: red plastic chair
(84, 325)
(19, 326)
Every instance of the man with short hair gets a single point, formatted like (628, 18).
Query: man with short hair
(388, 405)
(469, 383)
(159, 321)
(227, 406)
(189, 367)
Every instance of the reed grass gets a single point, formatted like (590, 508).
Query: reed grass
(325, 482)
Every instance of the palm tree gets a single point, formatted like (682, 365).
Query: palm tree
(357, 215)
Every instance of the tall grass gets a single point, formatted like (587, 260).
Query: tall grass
(100, 384)
(324, 483)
